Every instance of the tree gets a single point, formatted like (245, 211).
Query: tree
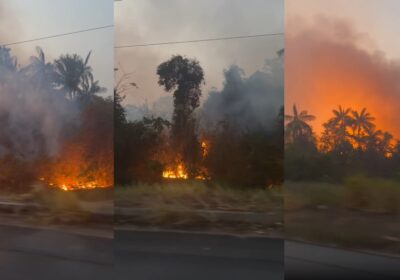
(297, 126)
(185, 77)
(335, 136)
(362, 123)
(7, 61)
(41, 72)
(74, 76)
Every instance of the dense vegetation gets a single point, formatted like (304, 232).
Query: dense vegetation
(246, 157)
(350, 144)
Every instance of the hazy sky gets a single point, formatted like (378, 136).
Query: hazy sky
(27, 19)
(148, 21)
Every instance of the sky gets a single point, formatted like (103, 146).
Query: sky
(149, 21)
(27, 19)
(343, 53)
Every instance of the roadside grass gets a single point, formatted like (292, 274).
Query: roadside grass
(350, 230)
(60, 207)
(55, 206)
(174, 205)
(374, 195)
(193, 195)
(361, 213)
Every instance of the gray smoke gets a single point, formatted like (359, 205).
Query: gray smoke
(162, 107)
(247, 102)
(32, 118)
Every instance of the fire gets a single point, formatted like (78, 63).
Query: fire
(204, 148)
(178, 172)
(72, 184)
(74, 170)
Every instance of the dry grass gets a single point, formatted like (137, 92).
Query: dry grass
(197, 195)
(362, 213)
(174, 205)
(374, 195)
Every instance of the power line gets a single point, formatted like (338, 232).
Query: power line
(57, 35)
(199, 40)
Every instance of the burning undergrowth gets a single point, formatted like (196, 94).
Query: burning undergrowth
(235, 138)
(54, 129)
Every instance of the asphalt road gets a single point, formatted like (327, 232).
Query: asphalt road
(49, 254)
(307, 261)
(27, 254)
(177, 256)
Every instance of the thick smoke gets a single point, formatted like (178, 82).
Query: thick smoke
(329, 63)
(247, 102)
(32, 118)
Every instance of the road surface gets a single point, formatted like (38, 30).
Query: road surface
(183, 256)
(48, 254)
(27, 254)
(307, 261)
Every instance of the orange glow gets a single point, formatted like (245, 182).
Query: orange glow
(204, 147)
(71, 170)
(177, 172)
(325, 67)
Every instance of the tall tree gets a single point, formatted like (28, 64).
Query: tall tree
(40, 71)
(7, 61)
(184, 76)
(74, 75)
(362, 123)
(297, 126)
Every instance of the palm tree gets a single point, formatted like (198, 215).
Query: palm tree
(297, 124)
(39, 70)
(341, 121)
(90, 87)
(8, 64)
(7, 61)
(342, 118)
(73, 74)
(362, 123)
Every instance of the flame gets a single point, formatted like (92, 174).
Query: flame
(73, 170)
(179, 172)
(204, 148)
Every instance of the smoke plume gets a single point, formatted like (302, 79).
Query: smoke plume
(32, 118)
(247, 102)
(329, 63)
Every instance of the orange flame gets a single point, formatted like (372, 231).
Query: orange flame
(177, 172)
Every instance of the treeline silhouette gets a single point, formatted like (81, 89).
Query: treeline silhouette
(350, 144)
